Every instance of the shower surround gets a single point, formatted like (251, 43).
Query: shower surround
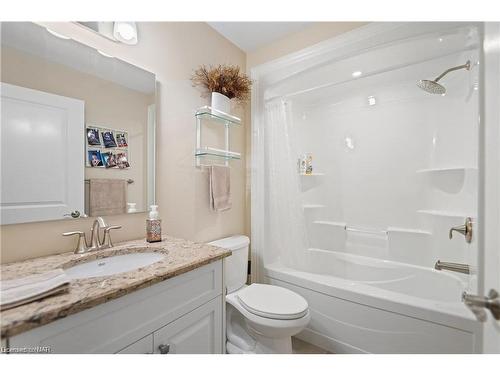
(395, 167)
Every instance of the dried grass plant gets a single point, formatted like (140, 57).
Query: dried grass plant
(227, 80)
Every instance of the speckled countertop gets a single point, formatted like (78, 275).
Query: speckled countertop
(181, 256)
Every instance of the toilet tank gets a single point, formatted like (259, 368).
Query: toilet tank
(236, 265)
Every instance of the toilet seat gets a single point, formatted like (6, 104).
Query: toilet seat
(272, 302)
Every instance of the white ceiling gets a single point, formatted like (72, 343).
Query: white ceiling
(250, 36)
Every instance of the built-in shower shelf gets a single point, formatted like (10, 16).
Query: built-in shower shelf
(444, 213)
(446, 169)
(312, 206)
(312, 174)
(408, 230)
(208, 113)
(331, 223)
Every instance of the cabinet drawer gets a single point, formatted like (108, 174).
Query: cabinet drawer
(112, 326)
(199, 332)
(142, 346)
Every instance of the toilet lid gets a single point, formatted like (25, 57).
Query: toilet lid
(270, 301)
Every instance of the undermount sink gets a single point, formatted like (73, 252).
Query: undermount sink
(112, 265)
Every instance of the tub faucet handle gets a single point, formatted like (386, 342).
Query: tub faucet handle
(465, 229)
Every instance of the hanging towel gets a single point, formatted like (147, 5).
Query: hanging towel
(107, 196)
(220, 188)
(31, 288)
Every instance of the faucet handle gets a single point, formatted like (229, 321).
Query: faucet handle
(107, 236)
(81, 246)
(465, 230)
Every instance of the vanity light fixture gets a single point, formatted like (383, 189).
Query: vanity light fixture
(57, 34)
(357, 74)
(125, 32)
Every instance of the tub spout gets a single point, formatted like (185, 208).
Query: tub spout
(455, 267)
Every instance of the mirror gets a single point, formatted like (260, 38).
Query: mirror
(77, 126)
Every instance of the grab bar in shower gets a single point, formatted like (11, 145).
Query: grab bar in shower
(366, 231)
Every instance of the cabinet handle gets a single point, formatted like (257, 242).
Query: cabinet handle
(164, 348)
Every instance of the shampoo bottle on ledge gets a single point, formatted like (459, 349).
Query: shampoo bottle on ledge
(153, 225)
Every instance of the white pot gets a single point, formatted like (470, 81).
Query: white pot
(221, 102)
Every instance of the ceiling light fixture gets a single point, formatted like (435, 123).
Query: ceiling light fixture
(125, 32)
(57, 34)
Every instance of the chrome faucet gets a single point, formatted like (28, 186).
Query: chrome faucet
(455, 267)
(95, 240)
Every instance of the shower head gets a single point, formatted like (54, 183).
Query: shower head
(433, 87)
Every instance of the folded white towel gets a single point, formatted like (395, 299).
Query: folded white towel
(31, 288)
(220, 188)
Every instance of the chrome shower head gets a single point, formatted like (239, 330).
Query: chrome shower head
(433, 87)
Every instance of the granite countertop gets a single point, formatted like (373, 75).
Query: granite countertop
(181, 256)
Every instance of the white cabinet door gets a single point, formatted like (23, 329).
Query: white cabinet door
(199, 332)
(42, 155)
(142, 346)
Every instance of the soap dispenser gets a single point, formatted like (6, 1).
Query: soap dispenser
(153, 225)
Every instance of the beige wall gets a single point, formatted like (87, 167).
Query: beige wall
(107, 104)
(295, 42)
(171, 51)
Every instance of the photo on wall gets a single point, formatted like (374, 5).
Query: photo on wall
(122, 160)
(95, 159)
(121, 139)
(108, 139)
(109, 159)
(93, 137)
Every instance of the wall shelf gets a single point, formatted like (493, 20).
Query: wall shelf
(446, 169)
(209, 151)
(208, 113)
(312, 206)
(444, 213)
(312, 174)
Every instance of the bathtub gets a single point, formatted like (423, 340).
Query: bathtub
(366, 305)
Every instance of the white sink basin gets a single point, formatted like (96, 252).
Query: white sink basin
(112, 265)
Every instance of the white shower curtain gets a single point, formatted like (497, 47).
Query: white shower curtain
(286, 233)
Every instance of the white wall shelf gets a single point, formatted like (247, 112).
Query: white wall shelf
(210, 114)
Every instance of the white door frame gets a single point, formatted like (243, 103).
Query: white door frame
(489, 200)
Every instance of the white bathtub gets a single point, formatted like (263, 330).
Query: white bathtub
(366, 305)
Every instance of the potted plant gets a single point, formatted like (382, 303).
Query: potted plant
(224, 82)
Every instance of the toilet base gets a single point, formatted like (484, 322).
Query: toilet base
(263, 346)
(243, 339)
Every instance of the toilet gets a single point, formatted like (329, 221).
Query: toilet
(260, 318)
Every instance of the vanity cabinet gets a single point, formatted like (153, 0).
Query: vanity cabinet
(182, 315)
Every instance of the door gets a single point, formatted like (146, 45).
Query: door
(42, 155)
(490, 262)
(198, 332)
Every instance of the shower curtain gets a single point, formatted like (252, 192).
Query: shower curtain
(286, 233)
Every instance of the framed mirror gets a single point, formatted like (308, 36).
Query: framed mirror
(77, 129)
